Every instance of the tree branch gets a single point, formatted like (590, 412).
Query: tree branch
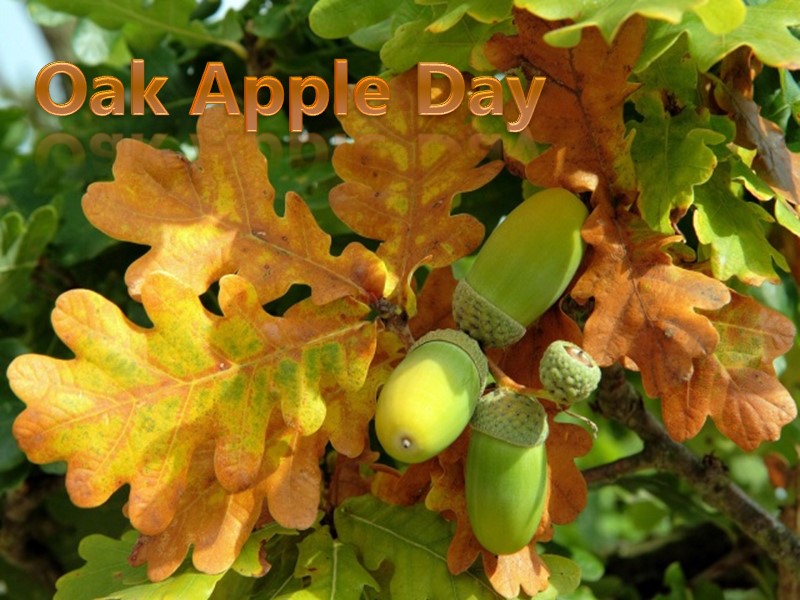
(618, 400)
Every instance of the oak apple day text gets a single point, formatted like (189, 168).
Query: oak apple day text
(441, 89)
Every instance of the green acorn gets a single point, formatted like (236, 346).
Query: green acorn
(506, 473)
(430, 396)
(522, 269)
(567, 372)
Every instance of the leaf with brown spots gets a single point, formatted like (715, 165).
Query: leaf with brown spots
(645, 307)
(736, 386)
(401, 175)
(579, 112)
(215, 216)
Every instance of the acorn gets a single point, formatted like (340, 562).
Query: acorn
(568, 373)
(522, 269)
(506, 472)
(430, 396)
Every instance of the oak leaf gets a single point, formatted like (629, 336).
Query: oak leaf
(215, 216)
(719, 16)
(400, 177)
(579, 112)
(349, 411)
(767, 29)
(217, 523)
(645, 307)
(774, 162)
(135, 403)
(736, 386)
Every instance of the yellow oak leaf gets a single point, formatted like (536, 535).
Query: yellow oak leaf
(736, 386)
(645, 307)
(349, 411)
(400, 177)
(524, 570)
(215, 216)
(217, 523)
(580, 110)
(135, 403)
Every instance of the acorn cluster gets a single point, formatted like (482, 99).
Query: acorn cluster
(437, 390)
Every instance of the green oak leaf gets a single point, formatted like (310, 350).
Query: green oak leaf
(145, 22)
(485, 11)
(407, 33)
(732, 229)
(415, 541)
(673, 75)
(672, 156)
(719, 16)
(565, 577)
(333, 568)
(459, 46)
(21, 244)
(742, 171)
(341, 18)
(107, 575)
(766, 29)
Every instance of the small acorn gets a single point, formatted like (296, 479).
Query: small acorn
(522, 269)
(430, 396)
(506, 472)
(567, 372)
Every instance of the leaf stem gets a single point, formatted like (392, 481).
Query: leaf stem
(618, 400)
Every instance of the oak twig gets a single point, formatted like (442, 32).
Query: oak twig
(618, 400)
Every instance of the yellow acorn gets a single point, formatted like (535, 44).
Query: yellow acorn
(430, 396)
(522, 269)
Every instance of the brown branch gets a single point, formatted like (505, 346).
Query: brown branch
(611, 472)
(618, 400)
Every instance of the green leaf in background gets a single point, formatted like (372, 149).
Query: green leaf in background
(671, 155)
(415, 541)
(341, 18)
(719, 16)
(407, 33)
(10, 454)
(250, 562)
(485, 11)
(332, 567)
(459, 46)
(146, 22)
(94, 45)
(107, 574)
(280, 580)
(733, 230)
(21, 245)
(565, 577)
(673, 75)
(766, 29)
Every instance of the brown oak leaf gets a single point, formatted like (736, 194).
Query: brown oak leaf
(645, 307)
(521, 361)
(736, 386)
(579, 112)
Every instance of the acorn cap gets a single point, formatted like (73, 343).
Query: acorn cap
(483, 320)
(568, 372)
(516, 419)
(461, 340)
